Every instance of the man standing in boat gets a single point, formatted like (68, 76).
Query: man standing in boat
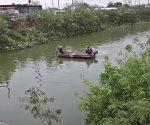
(89, 51)
(59, 49)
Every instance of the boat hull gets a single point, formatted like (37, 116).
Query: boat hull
(74, 55)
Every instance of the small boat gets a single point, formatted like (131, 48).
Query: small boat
(77, 55)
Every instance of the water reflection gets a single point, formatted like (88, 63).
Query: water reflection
(38, 76)
(88, 62)
(6, 85)
(38, 104)
(40, 66)
(9, 62)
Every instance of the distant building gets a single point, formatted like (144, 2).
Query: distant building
(109, 8)
(20, 8)
(56, 10)
(147, 6)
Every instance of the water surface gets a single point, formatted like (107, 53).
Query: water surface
(59, 78)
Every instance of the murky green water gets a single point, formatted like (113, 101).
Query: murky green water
(59, 78)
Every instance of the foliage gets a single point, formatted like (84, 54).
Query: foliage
(22, 37)
(117, 4)
(123, 95)
(50, 25)
(143, 13)
(4, 39)
(35, 101)
(110, 4)
(5, 16)
(128, 48)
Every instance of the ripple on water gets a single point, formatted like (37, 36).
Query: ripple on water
(58, 77)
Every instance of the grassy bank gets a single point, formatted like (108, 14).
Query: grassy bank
(47, 26)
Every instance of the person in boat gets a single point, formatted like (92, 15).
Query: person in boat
(59, 49)
(89, 51)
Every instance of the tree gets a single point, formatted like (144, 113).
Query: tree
(36, 101)
(117, 4)
(4, 39)
(122, 96)
(110, 4)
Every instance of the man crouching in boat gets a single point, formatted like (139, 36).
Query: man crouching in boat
(59, 49)
(89, 51)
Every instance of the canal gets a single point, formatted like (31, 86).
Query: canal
(39, 68)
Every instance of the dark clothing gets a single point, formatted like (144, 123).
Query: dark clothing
(61, 50)
(89, 51)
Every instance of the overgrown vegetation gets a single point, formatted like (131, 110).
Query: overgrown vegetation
(47, 25)
(122, 96)
(38, 104)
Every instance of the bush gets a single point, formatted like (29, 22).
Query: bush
(123, 95)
